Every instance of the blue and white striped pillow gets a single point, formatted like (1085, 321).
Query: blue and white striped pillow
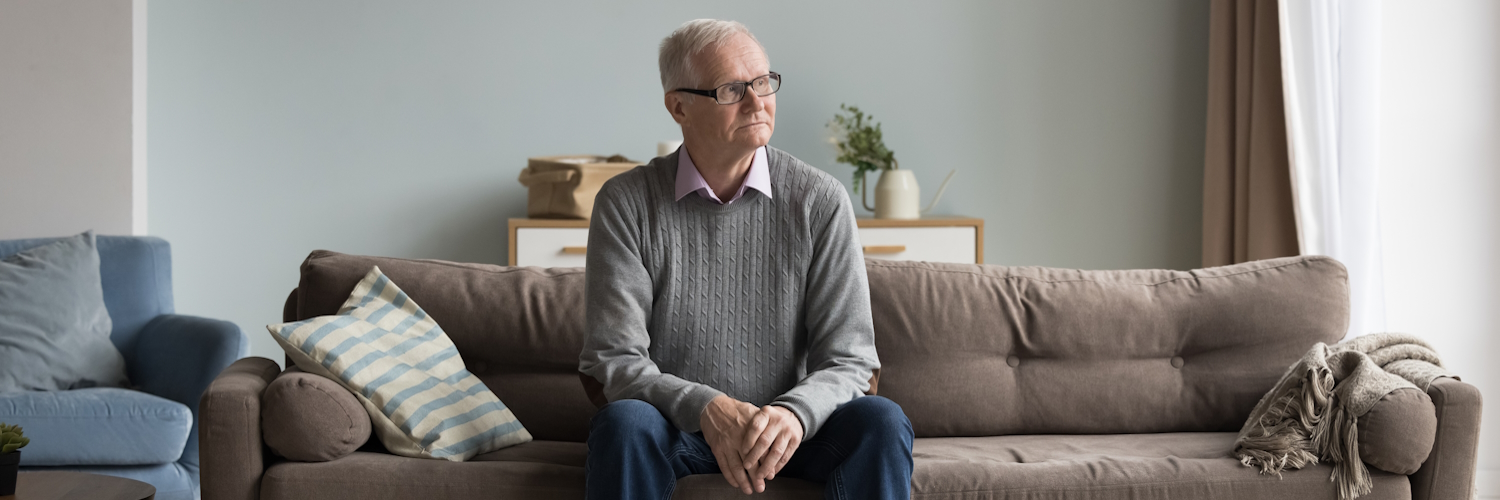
(407, 373)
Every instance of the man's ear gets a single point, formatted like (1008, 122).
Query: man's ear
(676, 107)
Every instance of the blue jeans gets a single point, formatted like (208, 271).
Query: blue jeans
(863, 451)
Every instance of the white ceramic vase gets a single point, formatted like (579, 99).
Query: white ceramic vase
(897, 195)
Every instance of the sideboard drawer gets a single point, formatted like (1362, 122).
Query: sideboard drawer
(551, 246)
(562, 243)
(954, 244)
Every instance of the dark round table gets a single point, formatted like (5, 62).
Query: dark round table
(78, 485)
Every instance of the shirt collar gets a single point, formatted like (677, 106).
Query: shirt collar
(689, 180)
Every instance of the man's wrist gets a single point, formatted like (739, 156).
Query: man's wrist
(689, 414)
(794, 414)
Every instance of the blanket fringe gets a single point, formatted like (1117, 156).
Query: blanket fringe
(1281, 438)
(1337, 437)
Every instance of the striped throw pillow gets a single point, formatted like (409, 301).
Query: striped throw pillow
(398, 362)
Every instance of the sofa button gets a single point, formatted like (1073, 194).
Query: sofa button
(1177, 361)
(1012, 361)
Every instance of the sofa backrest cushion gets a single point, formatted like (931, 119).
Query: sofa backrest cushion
(975, 350)
(519, 329)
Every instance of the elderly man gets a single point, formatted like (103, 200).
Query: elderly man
(728, 313)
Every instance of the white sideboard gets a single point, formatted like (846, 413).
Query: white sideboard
(563, 243)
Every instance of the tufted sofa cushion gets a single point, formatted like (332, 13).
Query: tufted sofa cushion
(989, 350)
(967, 350)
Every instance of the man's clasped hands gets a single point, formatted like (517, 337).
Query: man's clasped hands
(751, 443)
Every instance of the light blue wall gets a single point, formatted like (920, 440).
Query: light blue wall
(398, 128)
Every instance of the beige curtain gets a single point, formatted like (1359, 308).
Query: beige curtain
(1247, 186)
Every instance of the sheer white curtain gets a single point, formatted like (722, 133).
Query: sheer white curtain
(1330, 57)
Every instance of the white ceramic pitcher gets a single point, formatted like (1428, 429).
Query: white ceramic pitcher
(897, 196)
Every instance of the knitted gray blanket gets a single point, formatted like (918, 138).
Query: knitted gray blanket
(1312, 412)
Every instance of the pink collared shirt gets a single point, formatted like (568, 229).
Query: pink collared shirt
(689, 180)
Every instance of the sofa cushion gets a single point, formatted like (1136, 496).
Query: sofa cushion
(54, 327)
(1142, 466)
(309, 418)
(975, 350)
(539, 469)
(410, 378)
(1396, 435)
(98, 426)
(1123, 466)
(533, 367)
(534, 470)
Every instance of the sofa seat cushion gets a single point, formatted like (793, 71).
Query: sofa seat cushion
(1144, 466)
(1135, 466)
(98, 426)
(538, 469)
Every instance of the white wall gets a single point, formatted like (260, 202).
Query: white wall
(1440, 200)
(66, 106)
(398, 128)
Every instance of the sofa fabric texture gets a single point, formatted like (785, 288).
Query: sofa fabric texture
(309, 418)
(1020, 383)
(98, 426)
(54, 328)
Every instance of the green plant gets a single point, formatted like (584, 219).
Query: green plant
(11, 438)
(860, 143)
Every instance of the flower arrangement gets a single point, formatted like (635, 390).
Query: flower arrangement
(860, 143)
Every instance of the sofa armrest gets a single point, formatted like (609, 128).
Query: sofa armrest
(1448, 473)
(233, 451)
(177, 356)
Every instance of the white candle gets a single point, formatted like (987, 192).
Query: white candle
(667, 147)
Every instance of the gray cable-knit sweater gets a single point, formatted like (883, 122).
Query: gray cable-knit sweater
(764, 299)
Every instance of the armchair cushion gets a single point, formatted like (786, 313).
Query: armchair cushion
(54, 328)
(98, 426)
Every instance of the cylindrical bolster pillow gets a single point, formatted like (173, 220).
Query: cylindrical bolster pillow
(1397, 433)
(308, 418)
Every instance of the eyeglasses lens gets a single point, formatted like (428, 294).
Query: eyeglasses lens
(731, 93)
(765, 85)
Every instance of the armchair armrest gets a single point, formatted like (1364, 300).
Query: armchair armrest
(177, 356)
(1448, 473)
(233, 451)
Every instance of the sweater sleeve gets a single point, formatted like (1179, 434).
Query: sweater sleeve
(617, 302)
(841, 335)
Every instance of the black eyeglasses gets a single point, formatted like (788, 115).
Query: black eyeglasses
(734, 92)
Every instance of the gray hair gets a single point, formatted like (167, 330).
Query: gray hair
(677, 50)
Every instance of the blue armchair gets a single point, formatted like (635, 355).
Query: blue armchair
(148, 432)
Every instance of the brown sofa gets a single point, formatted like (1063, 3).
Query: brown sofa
(1020, 382)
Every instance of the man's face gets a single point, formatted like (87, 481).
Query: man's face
(744, 125)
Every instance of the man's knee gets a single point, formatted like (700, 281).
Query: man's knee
(627, 417)
(881, 416)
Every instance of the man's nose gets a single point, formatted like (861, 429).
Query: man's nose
(752, 102)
